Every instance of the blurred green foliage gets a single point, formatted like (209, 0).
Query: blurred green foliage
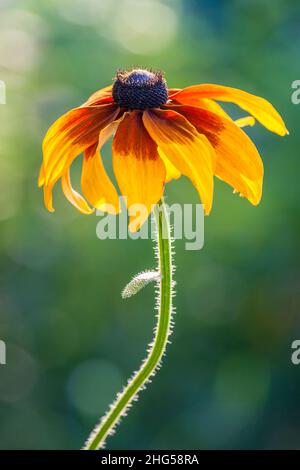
(227, 380)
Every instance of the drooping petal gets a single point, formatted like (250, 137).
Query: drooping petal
(214, 107)
(260, 108)
(102, 96)
(70, 135)
(173, 91)
(139, 170)
(238, 162)
(73, 196)
(48, 199)
(95, 182)
(190, 152)
(205, 103)
(171, 170)
(41, 178)
(245, 121)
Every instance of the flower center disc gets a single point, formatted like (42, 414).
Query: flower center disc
(139, 89)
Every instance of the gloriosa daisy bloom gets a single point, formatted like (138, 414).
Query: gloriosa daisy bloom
(159, 134)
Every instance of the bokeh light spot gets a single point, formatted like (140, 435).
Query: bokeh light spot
(92, 385)
(144, 27)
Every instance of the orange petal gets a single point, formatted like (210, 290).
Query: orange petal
(245, 121)
(100, 97)
(139, 170)
(214, 107)
(96, 184)
(75, 198)
(172, 91)
(205, 103)
(260, 108)
(70, 135)
(190, 152)
(171, 170)
(41, 178)
(238, 162)
(48, 197)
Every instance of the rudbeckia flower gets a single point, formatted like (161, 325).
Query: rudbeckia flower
(159, 134)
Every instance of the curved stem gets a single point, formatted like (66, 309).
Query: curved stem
(157, 348)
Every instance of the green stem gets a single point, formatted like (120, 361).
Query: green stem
(158, 346)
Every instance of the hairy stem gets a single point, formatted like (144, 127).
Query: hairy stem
(157, 347)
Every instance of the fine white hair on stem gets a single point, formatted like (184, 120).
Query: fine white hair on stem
(163, 277)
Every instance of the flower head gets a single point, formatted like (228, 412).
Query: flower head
(139, 89)
(159, 134)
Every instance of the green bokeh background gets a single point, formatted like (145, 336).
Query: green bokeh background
(227, 379)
